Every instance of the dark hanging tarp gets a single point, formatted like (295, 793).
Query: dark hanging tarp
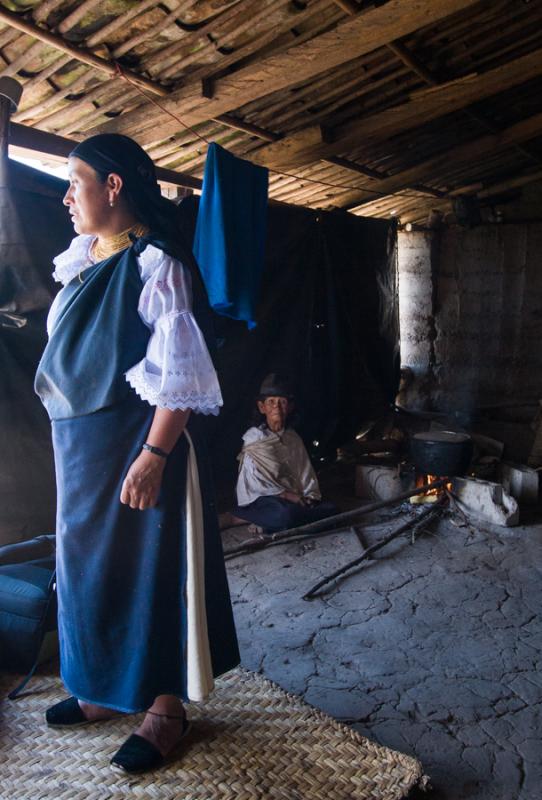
(327, 315)
(34, 226)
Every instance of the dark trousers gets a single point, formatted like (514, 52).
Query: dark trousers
(276, 514)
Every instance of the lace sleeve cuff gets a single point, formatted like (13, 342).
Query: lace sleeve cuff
(177, 372)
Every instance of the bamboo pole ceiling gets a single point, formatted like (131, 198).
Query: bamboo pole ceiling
(392, 107)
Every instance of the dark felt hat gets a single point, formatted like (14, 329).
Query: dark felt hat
(276, 384)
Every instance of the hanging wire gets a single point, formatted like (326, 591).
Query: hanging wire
(301, 178)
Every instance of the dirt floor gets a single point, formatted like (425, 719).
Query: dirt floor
(432, 648)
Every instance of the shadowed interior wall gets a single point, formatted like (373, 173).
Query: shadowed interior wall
(471, 313)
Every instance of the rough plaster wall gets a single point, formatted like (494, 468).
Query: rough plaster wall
(484, 325)
(489, 315)
(416, 312)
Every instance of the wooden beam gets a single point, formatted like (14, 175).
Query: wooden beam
(5, 112)
(426, 75)
(40, 141)
(84, 56)
(511, 183)
(49, 144)
(359, 168)
(471, 113)
(269, 136)
(348, 6)
(413, 63)
(350, 39)
(308, 146)
(178, 178)
(247, 127)
(473, 151)
(10, 93)
(483, 190)
(371, 173)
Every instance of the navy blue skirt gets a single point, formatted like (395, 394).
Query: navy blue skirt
(121, 572)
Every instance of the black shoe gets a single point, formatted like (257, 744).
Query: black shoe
(139, 755)
(68, 713)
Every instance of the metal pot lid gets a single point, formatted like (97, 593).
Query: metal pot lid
(453, 437)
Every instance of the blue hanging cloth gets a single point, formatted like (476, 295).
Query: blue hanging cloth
(229, 241)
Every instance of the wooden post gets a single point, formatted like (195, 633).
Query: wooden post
(10, 94)
(5, 113)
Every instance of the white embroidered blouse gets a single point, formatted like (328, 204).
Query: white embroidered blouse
(177, 371)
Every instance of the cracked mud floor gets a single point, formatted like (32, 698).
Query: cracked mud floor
(434, 649)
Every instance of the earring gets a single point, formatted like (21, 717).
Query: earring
(111, 203)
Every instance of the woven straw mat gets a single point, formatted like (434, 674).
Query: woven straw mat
(250, 740)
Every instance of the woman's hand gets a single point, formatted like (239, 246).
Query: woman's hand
(142, 483)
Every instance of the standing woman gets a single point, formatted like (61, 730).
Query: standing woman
(145, 619)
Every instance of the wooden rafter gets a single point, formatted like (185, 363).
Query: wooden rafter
(45, 143)
(349, 6)
(247, 127)
(354, 37)
(418, 211)
(398, 49)
(462, 154)
(78, 53)
(344, 163)
(510, 183)
(487, 143)
(410, 60)
(310, 144)
(368, 105)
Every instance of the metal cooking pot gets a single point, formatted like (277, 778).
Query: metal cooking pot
(441, 453)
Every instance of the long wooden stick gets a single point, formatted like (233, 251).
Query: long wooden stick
(85, 56)
(329, 523)
(264, 542)
(413, 523)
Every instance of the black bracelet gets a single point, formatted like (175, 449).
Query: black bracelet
(156, 450)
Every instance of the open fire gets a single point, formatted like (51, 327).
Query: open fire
(431, 495)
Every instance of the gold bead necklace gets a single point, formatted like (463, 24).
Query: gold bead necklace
(109, 245)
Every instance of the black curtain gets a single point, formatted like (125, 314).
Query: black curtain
(327, 315)
(34, 227)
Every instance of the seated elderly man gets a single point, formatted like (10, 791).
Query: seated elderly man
(277, 487)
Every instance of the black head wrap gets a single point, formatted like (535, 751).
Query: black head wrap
(112, 152)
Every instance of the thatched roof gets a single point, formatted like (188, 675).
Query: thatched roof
(378, 107)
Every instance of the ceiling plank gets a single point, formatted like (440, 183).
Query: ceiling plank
(354, 37)
(511, 183)
(472, 151)
(310, 144)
